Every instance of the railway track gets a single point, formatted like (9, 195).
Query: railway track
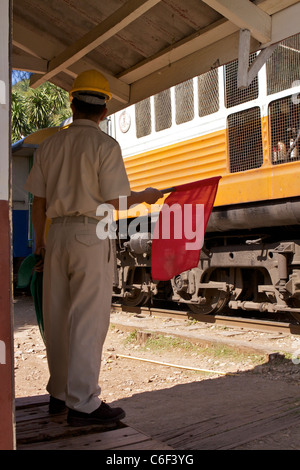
(254, 324)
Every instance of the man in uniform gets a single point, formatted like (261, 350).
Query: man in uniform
(75, 171)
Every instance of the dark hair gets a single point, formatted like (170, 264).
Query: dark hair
(87, 108)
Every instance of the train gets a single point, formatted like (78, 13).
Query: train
(203, 128)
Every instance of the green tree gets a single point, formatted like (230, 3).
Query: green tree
(32, 110)
(20, 125)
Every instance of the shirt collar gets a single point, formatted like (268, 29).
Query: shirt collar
(84, 123)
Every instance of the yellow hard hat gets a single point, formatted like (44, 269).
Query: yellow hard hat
(91, 81)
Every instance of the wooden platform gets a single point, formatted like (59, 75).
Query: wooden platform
(37, 430)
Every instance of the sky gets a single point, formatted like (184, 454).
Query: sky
(18, 75)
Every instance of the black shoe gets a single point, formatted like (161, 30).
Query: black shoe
(56, 406)
(102, 415)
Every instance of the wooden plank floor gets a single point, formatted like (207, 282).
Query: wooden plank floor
(253, 425)
(37, 430)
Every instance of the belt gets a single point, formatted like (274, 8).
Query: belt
(80, 219)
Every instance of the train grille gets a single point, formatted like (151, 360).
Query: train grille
(245, 140)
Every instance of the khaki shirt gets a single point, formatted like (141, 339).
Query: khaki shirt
(77, 169)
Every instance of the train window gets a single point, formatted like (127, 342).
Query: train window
(234, 96)
(245, 140)
(184, 102)
(143, 118)
(283, 66)
(163, 111)
(284, 129)
(208, 93)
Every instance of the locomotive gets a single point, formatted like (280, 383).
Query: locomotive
(202, 128)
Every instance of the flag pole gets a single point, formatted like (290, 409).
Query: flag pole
(168, 190)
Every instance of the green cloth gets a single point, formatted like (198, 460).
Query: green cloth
(27, 276)
(25, 271)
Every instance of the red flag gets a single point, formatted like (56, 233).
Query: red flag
(179, 231)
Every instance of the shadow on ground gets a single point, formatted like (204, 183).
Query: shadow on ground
(246, 411)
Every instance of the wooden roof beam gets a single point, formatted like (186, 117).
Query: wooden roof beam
(30, 64)
(245, 15)
(199, 40)
(125, 15)
(221, 52)
(31, 43)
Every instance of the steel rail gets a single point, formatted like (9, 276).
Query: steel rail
(220, 320)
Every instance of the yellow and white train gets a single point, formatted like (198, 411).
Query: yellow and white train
(207, 127)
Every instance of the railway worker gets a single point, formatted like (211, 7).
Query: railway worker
(75, 171)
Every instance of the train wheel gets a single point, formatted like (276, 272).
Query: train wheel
(215, 300)
(136, 297)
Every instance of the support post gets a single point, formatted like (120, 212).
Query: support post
(245, 73)
(7, 422)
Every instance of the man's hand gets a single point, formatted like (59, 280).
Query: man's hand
(40, 251)
(151, 195)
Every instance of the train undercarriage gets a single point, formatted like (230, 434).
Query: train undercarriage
(254, 269)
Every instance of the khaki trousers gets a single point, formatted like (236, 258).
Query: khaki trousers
(77, 290)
